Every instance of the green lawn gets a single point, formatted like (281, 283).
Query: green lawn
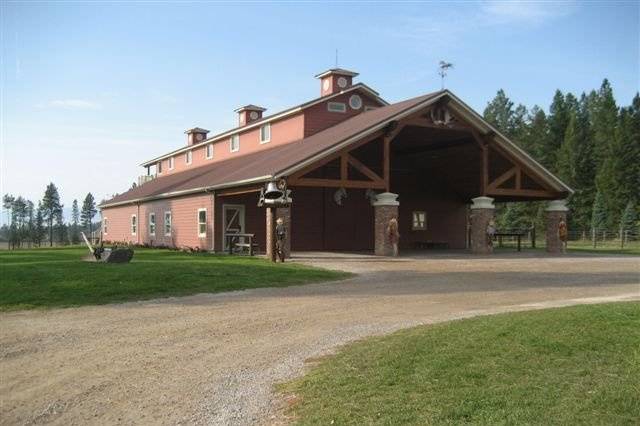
(44, 278)
(577, 365)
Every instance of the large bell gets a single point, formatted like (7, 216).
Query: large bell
(272, 192)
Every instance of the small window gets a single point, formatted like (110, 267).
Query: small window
(265, 133)
(202, 223)
(369, 108)
(188, 157)
(159, 167)
(419, 221)
(209, 151)
(355, 102)
(336, 107)
(171, 163)
(134, 224)
(235, 143)
(152, 224)
(104, 225)
(167, 224)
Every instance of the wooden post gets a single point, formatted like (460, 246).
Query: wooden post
(484, 178)
(386, 160)
(270, 237)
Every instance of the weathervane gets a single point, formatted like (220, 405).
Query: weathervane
(444, 67)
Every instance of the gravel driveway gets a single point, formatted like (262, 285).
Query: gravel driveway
(213, 359)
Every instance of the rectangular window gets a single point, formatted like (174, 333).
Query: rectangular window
(336, 107)
(265, 133)
(159, 167)
(235, 143)
(209, 151)
(104, 225)
(134, 224)
(152, 224)
(419, 221)
(202, 223)
(167, 224)
(188, 157)
(171, 164)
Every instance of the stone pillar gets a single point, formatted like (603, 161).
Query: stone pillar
(270, 243)
(556, 211)
(482, 211)
(385, 207)
(285, 214)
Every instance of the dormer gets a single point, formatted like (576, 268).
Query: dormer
(249, 113)
(196, 135)
(335, 80)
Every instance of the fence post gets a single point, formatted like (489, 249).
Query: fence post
(533, 236)
(593, 237)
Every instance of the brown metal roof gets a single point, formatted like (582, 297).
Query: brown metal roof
(263, 165)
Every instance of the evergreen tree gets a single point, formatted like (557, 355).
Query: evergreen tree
(583, 169)
(599, 216)
(61, 228)
(38, 227)
(559, 115)
(605, 118)
(51, 208)
(88, 212)
(75, 221)
(629, 219)
(499, 112)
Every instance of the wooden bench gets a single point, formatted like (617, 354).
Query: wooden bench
(247, 244)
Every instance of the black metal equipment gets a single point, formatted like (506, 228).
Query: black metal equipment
(272, 192)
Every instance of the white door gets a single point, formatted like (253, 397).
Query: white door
(232, 221)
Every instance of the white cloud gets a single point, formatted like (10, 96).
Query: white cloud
(523, 11)
(70, 104)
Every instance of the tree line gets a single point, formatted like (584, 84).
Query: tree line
(591, 143)
(28, 223)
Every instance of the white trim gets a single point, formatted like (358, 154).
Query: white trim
(270, 119)
(237, 135)
(264, 126)
(172, 161)
(188, 157)
(131, 224)
(152, 234)
(200, 234)
(415, 213)
(206, 154)
(354, 97)
(164, 223)
(241, 220)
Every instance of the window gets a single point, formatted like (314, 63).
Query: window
(419, 221)
(369, 108)
(152, 224)
(159, 167)
(265, 133)
(104, 225)
(235, 143)
(134, 224)
(167, 224)
(336, 107)
(171, 163)
(202, 223)
(355, 102)
(209, 151)
(188, 157)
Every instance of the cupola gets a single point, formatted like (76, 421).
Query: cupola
(249, 113)
(196, 135)
(335, 80)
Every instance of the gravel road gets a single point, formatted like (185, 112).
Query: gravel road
(213, 359)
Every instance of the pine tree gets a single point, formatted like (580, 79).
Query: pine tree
(499, 112)
(605, 118)
(599, 216)
(584, 169)
(629, 218)
(38, 227)
(61, 228)
(559, 114)
(50, 208)
(75, 220)
(88, 212)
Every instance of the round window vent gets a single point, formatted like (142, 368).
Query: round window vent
(253, 115)
(355, 102)
(342, 82)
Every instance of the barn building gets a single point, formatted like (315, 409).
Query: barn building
(351, 162)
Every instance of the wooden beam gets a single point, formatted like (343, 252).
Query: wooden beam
(337, 183)
(423, 122)
(484, 171)
(386, 163)
(364, 169)
(503, 178)
(518, 178)
(344, 166)
(523, 192)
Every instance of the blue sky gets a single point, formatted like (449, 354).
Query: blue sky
(90, 90)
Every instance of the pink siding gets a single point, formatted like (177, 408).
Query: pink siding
(184, 212)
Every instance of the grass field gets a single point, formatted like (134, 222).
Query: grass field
(577, 365)
(45, 278)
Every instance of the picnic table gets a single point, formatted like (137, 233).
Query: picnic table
(517, 234)
(233, 241)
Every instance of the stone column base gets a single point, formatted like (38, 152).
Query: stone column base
(385, 208)
(482, 212)
(556, 212)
